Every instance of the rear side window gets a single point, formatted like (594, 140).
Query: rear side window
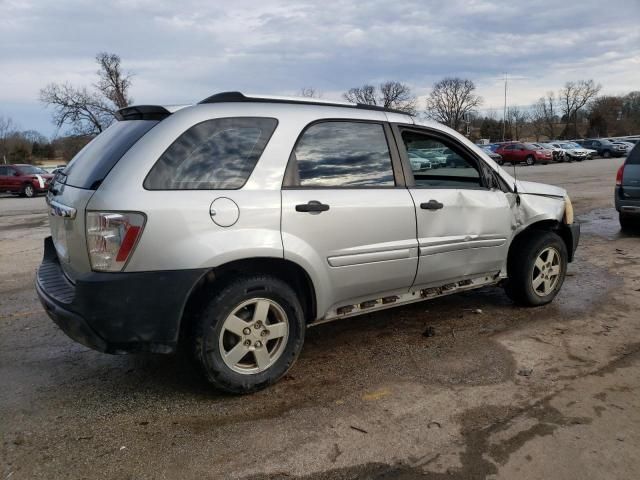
(217, 154)
(634, 156)
(342, 154)
(93, 163)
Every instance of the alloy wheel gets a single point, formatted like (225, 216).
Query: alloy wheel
(253, 336)
(546, 272)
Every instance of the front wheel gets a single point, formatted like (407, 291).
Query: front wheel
(28, 191)
(530, 160)
(250, 334)
(536, 268)
(606, 154)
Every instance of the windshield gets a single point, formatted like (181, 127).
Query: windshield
(532, 146)
(31, 170)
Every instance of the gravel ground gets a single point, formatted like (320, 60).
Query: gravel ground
(497, 392)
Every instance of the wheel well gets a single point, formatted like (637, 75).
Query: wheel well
(554, 226)
(291, 273)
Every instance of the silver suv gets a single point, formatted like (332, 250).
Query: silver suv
(234, 224)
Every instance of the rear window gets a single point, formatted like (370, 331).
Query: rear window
(94, 162)
(217, 154)
(634, 156)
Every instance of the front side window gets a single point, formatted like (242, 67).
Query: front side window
(342, 154)
(217, 154)
(439, 164)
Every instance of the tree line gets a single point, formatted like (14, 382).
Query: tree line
(576, 110)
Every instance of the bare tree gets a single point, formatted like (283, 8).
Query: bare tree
(7, 128)
(389, 94)
(451, 100)
(310, 92)
(113, 83)
(89, 112)
(365, 94)
(517, 118)
(544, 116)
(574, 96)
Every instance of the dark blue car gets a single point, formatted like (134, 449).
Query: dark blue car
(628, 190)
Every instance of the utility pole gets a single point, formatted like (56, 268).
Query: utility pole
(504, 112)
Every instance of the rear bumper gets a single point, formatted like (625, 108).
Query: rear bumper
(628, 206)
(116, 312)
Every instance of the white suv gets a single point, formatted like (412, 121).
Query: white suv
(234, 224)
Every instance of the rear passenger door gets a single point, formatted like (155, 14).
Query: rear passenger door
(464, 219)
(346, 212)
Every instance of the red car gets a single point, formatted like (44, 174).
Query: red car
(25, 180)
(528, 153)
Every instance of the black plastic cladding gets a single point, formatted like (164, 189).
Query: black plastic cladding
(239, 97)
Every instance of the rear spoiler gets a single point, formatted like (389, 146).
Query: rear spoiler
(142, 112)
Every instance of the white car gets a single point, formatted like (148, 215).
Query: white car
(628, 145)
(418, 162)
(573, 151)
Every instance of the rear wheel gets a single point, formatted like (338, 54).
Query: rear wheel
(606, 154)
(249, 335)
(627, 224)
(537, 268)
(530, 160)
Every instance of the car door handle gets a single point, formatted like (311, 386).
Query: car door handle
(312, 206)
(431, 205)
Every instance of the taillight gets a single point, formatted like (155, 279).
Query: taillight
(619, 175)
(111, 238)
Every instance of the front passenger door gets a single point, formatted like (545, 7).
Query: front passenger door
(464, 221)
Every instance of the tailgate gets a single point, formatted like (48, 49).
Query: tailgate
(66, 218)
(631, 181)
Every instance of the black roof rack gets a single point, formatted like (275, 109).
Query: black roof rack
(239, 97)
(142, 112)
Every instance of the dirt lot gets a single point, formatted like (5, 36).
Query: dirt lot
(505, 393)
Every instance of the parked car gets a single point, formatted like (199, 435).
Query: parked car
(573, 151)
(493, 155)
(517, 152)
(627, 195)
(24, 180)
(237, 223)
(418, 162)
(627, 145)
(557, 154)
(605, 148)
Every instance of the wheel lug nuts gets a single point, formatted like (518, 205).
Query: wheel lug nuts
(258, 344)
(246, 331)
(257, 325)
(247, 343)
(264, 333)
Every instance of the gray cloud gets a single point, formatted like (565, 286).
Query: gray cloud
(182, 52)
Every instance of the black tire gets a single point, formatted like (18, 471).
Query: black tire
(28, 191)
(606, 154)
(522, 266)
(530, 160)
(627, 224)
(500, 162)
(208, 328)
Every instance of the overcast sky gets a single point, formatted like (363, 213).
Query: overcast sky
(181, 52)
